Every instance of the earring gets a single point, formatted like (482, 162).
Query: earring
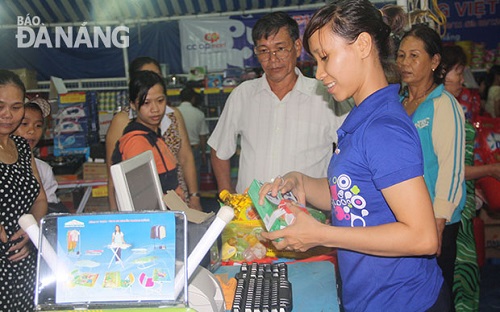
(432, 69)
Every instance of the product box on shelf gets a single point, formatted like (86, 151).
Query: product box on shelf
(76, 123)
(60, 150)
(100, 191)
(104, 123)
(64, 141)
(72, 98)
(71, 122)
(93, 121)
(214, 81)
(61, 178)
(197, 73)
(71, 125)
(95, 171)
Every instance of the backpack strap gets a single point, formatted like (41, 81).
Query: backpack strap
(117, 155)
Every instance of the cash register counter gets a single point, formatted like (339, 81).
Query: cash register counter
(314, 286)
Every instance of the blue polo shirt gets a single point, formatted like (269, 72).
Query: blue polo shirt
(378, 147)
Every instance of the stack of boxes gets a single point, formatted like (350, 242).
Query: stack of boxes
(76, 124)
(93, 171)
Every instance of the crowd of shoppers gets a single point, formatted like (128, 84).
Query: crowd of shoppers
(382, 139)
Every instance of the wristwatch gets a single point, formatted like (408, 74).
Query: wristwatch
(195, 194)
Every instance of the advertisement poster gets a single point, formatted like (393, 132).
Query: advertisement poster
(211, 43)
(224, 42)
(115, 258)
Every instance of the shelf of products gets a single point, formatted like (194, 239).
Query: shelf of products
(108, 98)
(111, 95)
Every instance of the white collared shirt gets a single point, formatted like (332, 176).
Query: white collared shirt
(194, 119)
(277, 136)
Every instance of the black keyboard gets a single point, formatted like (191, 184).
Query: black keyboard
(263, 288)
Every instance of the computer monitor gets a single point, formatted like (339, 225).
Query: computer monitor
(89, 270)
(137, 185)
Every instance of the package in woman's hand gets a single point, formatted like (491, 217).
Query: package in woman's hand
(274, 212)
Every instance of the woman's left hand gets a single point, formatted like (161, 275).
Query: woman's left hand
(23, 246)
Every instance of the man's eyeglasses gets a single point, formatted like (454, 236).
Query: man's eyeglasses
(264, 55)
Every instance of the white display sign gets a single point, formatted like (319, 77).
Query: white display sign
(210, 44)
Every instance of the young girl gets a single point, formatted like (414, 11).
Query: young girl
(20, 193)
(382, 220)
(31, 128)
(149, 100)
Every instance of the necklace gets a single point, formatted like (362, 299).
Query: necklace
(2, 147)
(416, 100)
(10, 154)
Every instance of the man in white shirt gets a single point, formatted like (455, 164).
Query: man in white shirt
(285, 121)
(196, 126)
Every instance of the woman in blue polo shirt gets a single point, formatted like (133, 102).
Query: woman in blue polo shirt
(382, 219)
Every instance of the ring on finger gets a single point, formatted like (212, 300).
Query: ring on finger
(282, 180)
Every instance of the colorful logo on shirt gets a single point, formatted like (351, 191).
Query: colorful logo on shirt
(420, 124)
(347, 202)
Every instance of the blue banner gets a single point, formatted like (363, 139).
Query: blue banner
(476, 21)
(219, 48)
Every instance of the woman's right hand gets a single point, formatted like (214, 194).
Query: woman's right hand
(291, 181)
(21, 246)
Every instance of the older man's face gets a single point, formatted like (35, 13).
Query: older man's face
(278, 55)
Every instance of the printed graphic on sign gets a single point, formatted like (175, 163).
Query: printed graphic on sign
(126, 257)
(210, 43)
